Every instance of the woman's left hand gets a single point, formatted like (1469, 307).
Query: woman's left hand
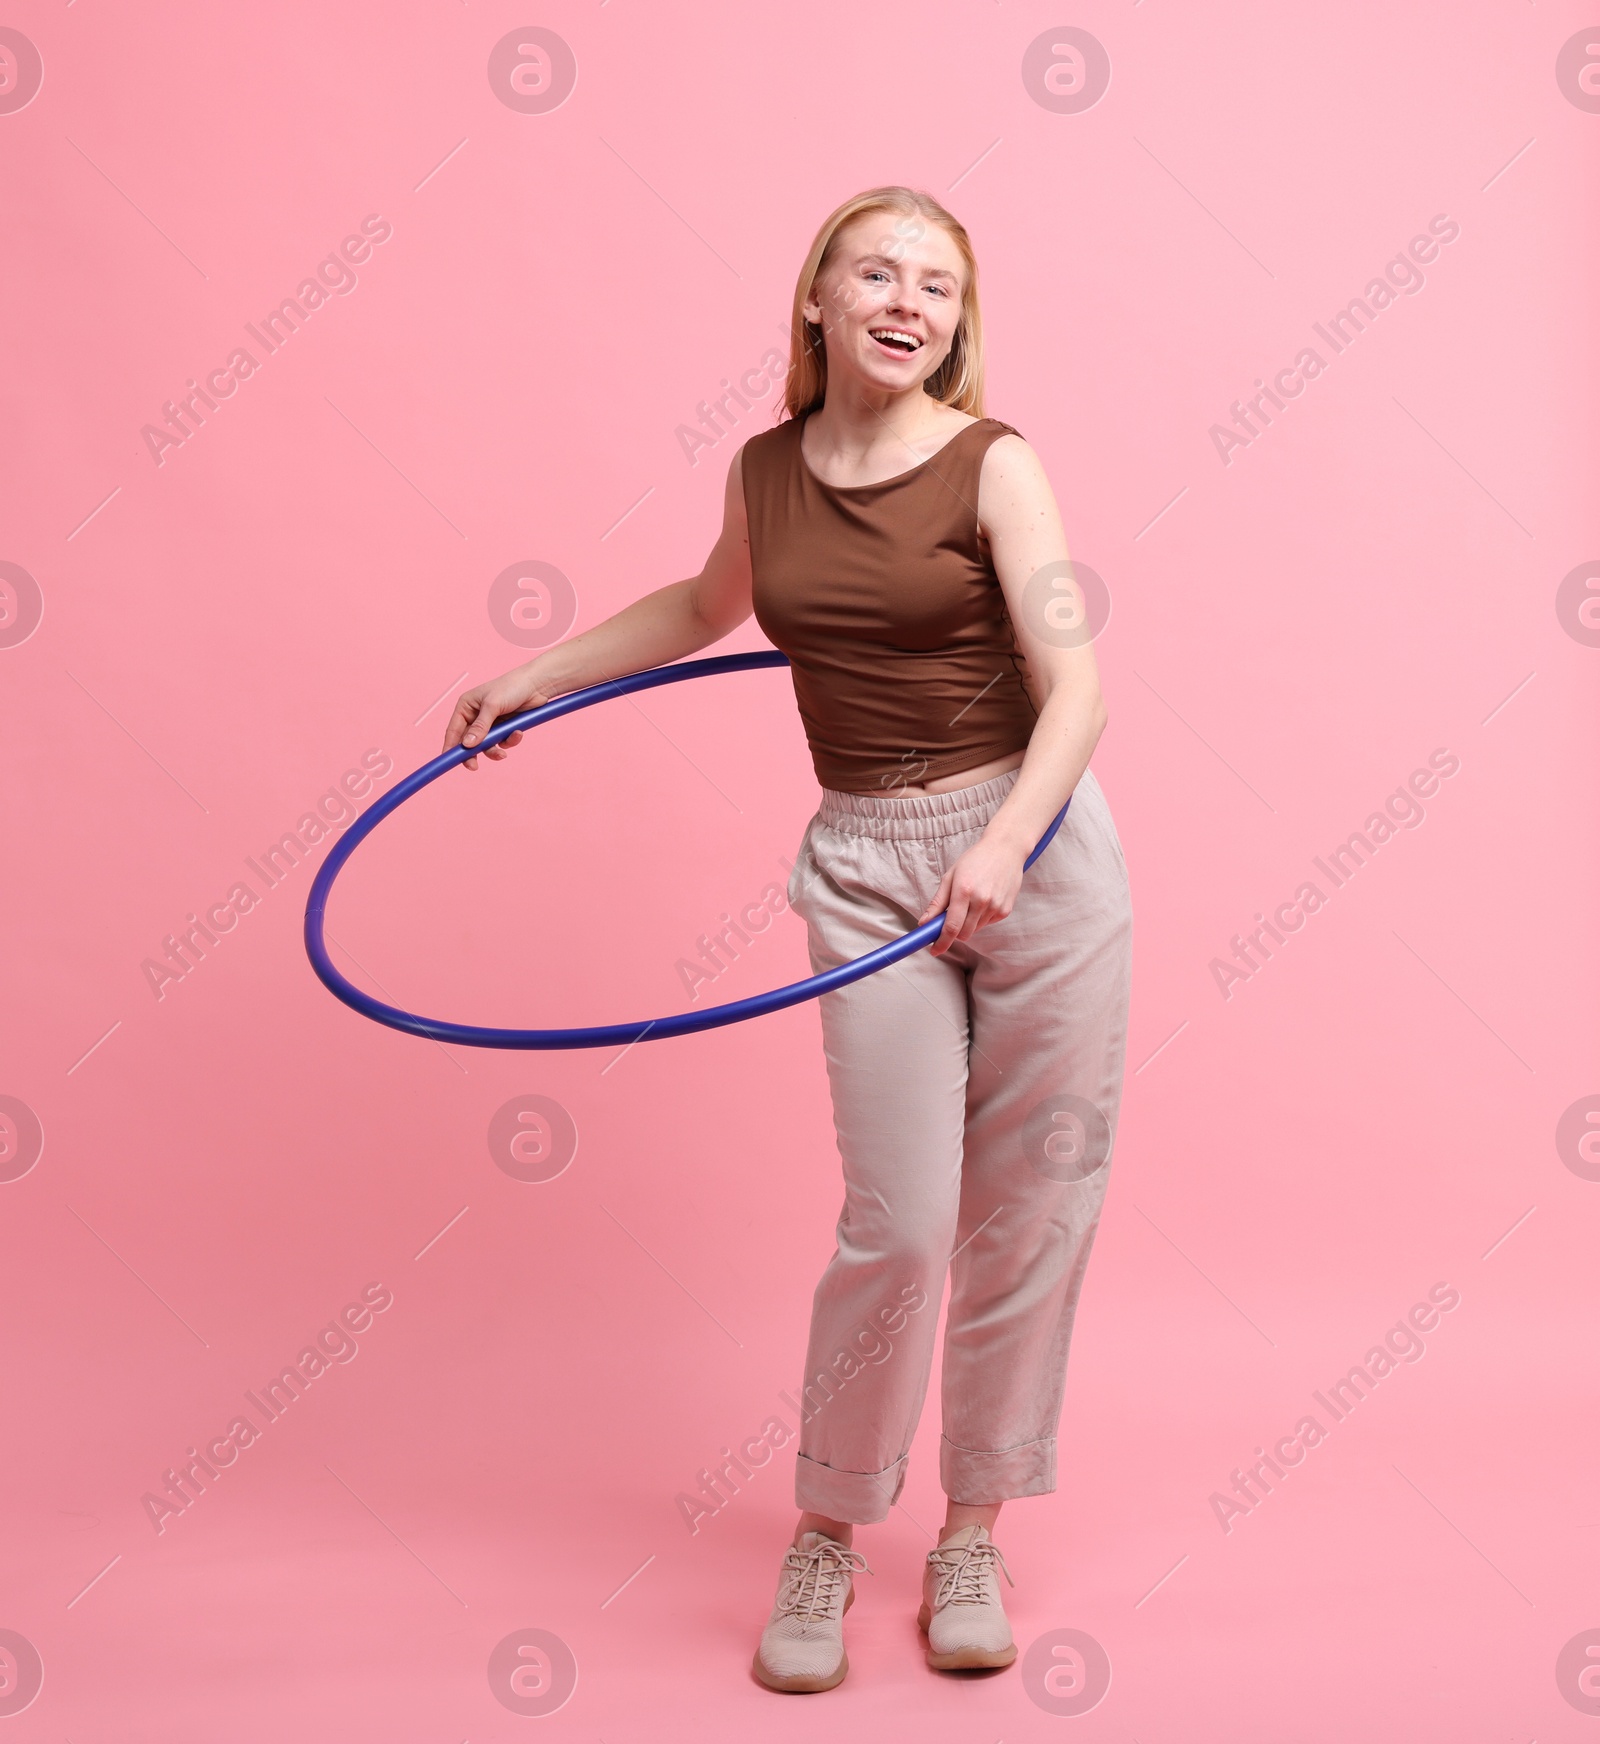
(981, 887)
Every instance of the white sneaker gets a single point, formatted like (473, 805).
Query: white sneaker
(961, 1611)
(802, 1646)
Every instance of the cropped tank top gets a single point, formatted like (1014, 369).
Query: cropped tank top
(904, 663)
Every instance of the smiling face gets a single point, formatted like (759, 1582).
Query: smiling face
(889, 300)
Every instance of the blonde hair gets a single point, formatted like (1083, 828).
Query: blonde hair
(958, 381)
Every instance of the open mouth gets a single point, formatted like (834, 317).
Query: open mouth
(895, 340)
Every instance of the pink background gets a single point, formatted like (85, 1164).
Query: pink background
(306, 579)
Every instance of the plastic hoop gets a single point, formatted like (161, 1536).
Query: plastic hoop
(602, 1035)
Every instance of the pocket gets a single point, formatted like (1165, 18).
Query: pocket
(804, 873)
(1085, 848)
(1054, 868)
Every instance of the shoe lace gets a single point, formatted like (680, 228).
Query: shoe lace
(966, 1572)
(812, 1578)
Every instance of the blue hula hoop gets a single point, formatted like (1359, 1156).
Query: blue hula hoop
(602, 1035)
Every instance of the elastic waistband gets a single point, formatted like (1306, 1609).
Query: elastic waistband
(915, 816)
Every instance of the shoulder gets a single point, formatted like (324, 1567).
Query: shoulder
(993, 438)
(1012, 483)
(998, 430)
(975, 439)
(772, 441)
(1008, 455)
(767, 451)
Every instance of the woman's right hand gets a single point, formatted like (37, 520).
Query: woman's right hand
(478, 709)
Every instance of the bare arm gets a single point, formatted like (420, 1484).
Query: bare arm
(1017, 511)
(675, 620)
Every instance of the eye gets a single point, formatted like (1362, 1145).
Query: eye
(876, 272)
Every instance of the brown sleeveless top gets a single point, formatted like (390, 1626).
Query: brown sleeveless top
(905, 667)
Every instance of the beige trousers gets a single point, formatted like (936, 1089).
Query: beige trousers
(975, 1099)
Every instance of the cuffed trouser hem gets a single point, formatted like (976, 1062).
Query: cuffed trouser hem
(862, 1498)
(976, 1478)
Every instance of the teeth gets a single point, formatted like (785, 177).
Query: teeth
(909, 341)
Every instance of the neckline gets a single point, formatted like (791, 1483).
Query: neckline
(898, 478)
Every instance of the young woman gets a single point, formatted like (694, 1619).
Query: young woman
(906, 553)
